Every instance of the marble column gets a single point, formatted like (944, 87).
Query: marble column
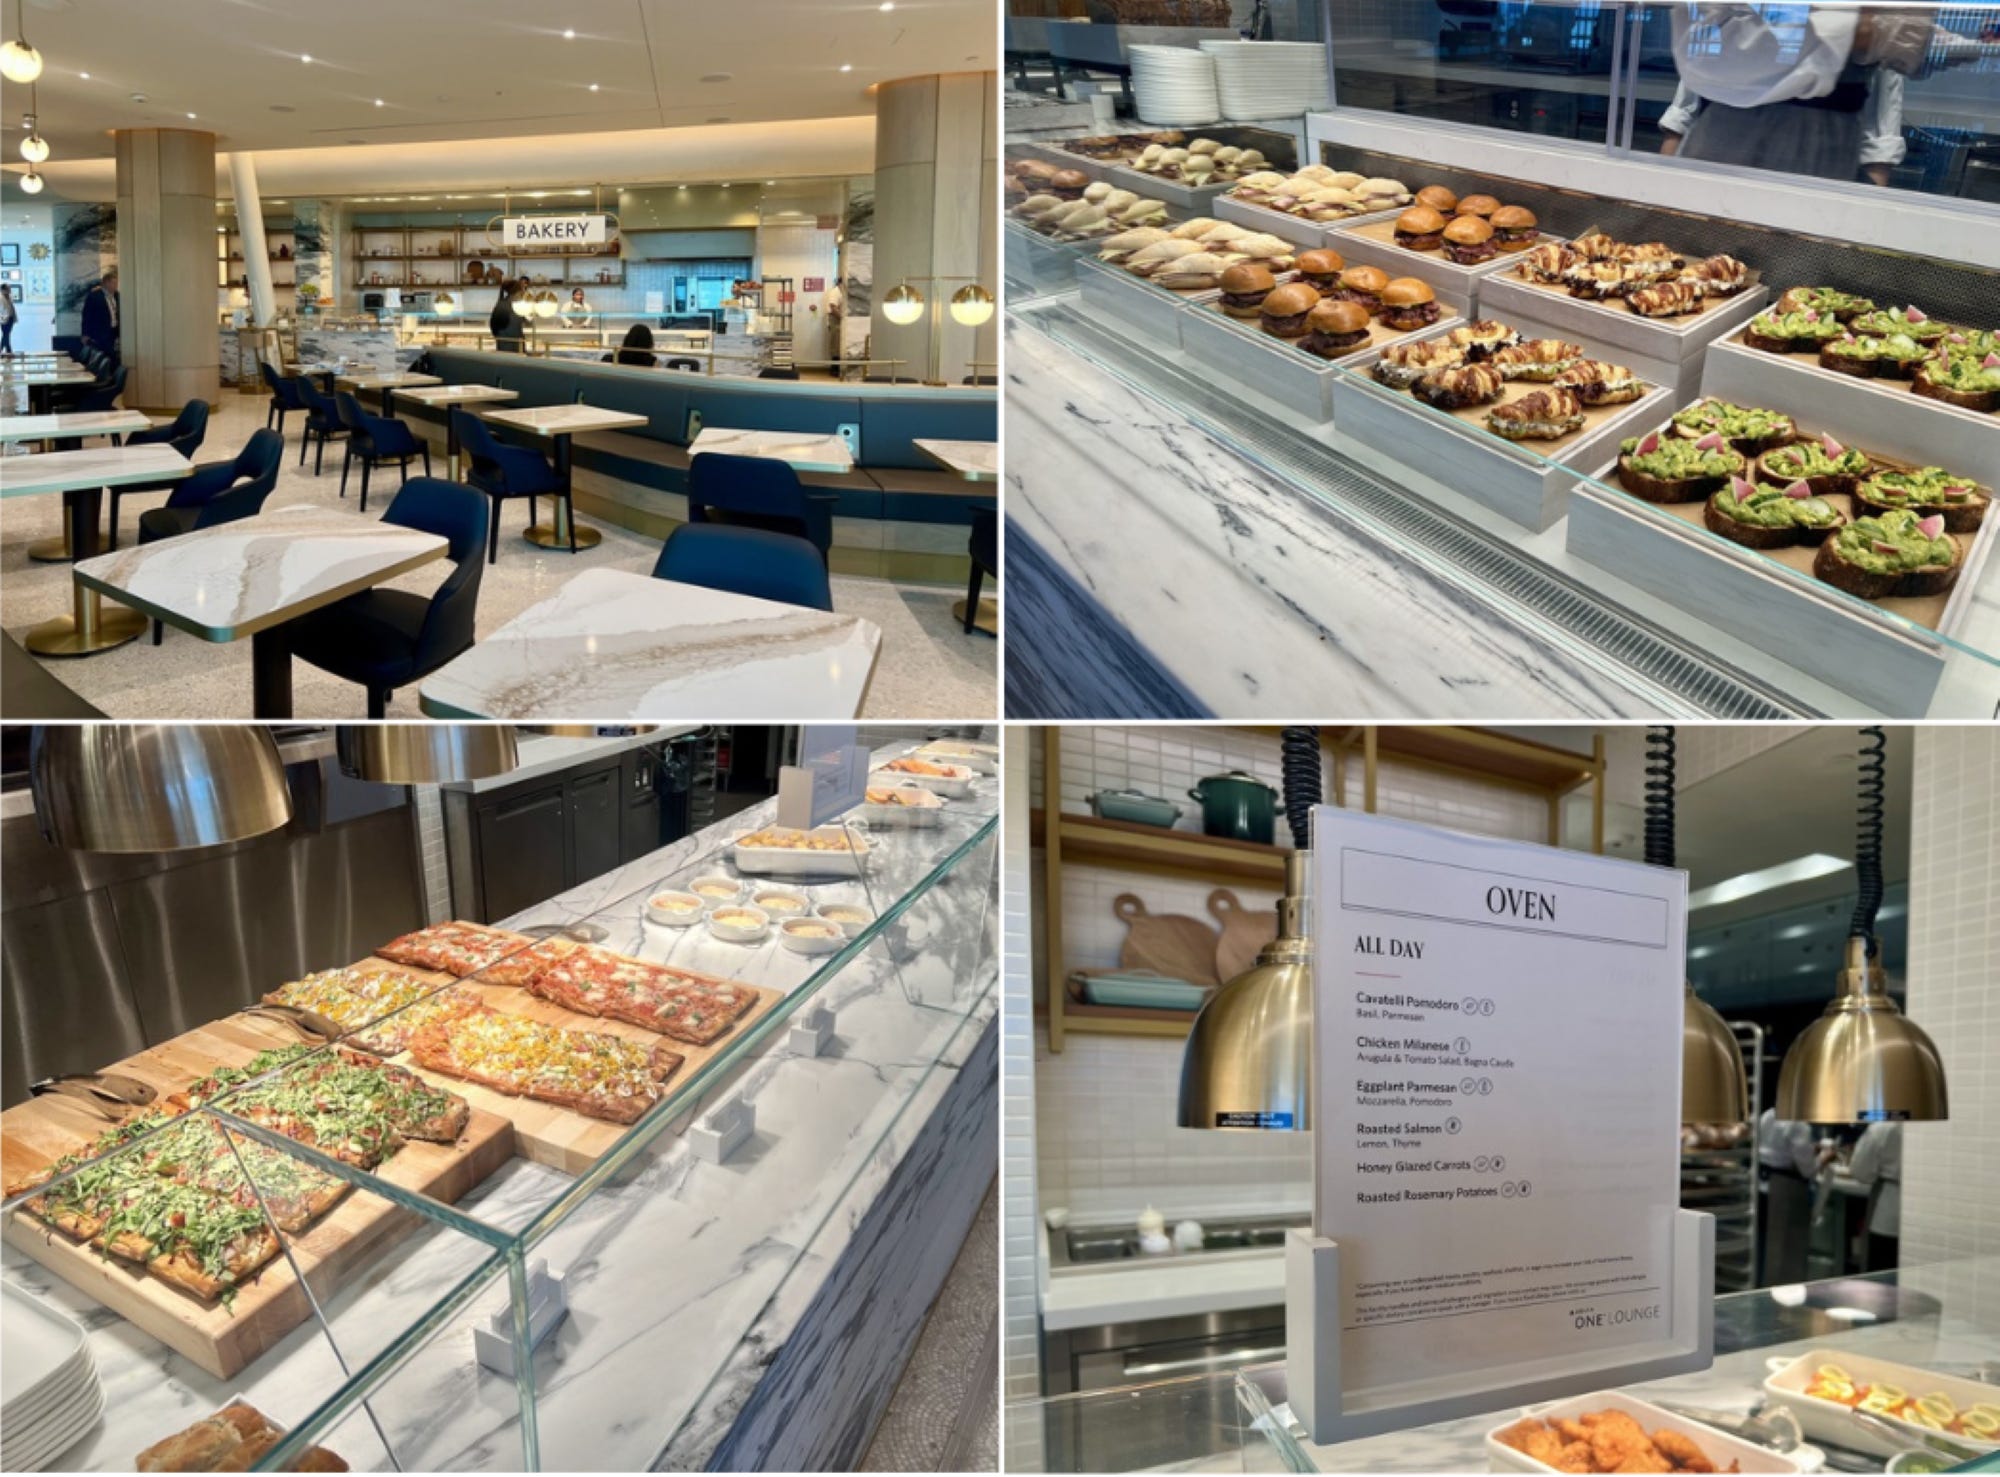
(857, 267)
(86, 246)
(166, 219)
(313, 233)
(936, 183)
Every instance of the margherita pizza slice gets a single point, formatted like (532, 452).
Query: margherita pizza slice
(688, 1007)
(456, 948)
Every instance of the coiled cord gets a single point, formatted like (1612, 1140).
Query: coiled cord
(1660, 796)
(1301, 770)
(1868, 837)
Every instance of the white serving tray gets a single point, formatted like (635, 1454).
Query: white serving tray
(926, 810)
(1885, 414)
(1240, 359)
(782, 861)
(954, 786)
(1825, 1420)
(1130, 306)
(975, 756)
(1194, 199)
(1529, 488)
(1360, 240)
(1044, 264)
(1721, 1448)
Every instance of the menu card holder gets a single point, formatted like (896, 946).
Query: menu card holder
(1328, 1414)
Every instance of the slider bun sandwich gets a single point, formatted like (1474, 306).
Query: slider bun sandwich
(1407, 304)
(1244, 288)
(1515, 227)
(1257, 185)
(1204, 146)
(1335, 328)
(1438, 197)
(1480, 205)
(1362, 284)
(1420, 229)
(1346, 179)
(1285, 311)
(1069, 183)
(1539, 415)
(1038, 205)
(1321, 267)
(1468, 240)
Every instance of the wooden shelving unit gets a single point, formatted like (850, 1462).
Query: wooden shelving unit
(1355, 754)
(230, 271)
(470, 244)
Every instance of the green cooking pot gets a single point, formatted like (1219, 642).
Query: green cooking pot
(1237, 805)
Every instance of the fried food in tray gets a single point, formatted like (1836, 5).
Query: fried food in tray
(1607, 1441)
(234, 1439)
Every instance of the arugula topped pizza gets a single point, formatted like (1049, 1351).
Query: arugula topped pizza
(596, 1074)
(694, 1008)
(455, 948)
(350, 1106)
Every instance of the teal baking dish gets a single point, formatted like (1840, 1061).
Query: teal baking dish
(1143, 991)
(1134, 805)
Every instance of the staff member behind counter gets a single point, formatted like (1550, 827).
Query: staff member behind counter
(1789, 1160)
(507, 326)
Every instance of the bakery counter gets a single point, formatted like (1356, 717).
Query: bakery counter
(1933, 1320)
(1182, 545)
(732, 1280)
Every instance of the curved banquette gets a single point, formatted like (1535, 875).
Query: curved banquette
(898, 513)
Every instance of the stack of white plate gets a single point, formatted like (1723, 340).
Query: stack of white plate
(1268, 79)
(1173, 85)
(49, 1395)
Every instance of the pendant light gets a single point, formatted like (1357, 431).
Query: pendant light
(1864, 1061)
(426, 753)
(971, 305)
(34, 148)
(31, 183)
(1715, 1086)
(20, 62)
(904, 305)
(138, 787)
(1248, 1059)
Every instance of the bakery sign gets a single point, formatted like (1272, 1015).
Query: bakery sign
(529, 233)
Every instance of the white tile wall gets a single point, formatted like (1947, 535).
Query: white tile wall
(434, 870)
(1951, 1170)
(1020, 1349)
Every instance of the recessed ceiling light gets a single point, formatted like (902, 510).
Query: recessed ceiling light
(190, 115)
(593, 87)
(378, 102)
(306, 57)
(680, 187)
(84, 75)
(770, 182)
(569, 35)
(846, 66)
(138, 97)
(887, 5)
(723, 119)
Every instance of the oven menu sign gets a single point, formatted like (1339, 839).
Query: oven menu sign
(1496, 1096)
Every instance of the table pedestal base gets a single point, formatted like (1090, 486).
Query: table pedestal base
(65, 636)
(988, 619)
(57, 551)
(552, 536)
(271, 673)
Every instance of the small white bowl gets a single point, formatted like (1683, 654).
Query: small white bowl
(739, 923)
(781, 904)
(675, 909)
(715, 889)
(810, 935)
(849, 918)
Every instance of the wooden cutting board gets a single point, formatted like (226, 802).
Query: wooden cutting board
(225, 1340)
(1167, 943)
(1245, 931)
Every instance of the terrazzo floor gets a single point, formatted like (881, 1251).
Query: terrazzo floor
(928, 668)
(945, 1413)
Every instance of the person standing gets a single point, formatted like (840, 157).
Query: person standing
(508, 327)
(8, 317)
(1878, 1163)
(1789, 1159)
(100, 316)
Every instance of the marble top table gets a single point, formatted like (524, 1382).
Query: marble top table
(975, 461)
(45, 374)
(81, 477)
(65, 424)
(559, 423)
(253, 576)
(445, 397)
(403, 379)
(805, 452)
(619, 645)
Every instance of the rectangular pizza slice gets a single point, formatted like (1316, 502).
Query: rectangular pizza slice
(356, 997)
(392, 1034)
(688, 1007)
(524, 966)
(456, 948)
(598, 1075)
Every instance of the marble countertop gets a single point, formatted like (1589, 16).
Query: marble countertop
(975, 461)
(235, 579)
(613, 644)
(659, 1353)
(561, 420)
(808, 453)
(94, 466)
(72, 423)
(437, 394)
(386, 381)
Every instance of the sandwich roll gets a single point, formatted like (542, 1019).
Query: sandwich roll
(1284, 312)
(1468, 241)
(1334, 328)
(1244, 288)
(1408, 304)
(1197, 272)
(1514, 227)
(1479, 205)
(1420, 229)
(1320, 266)
(1438, 198)
(1539, 415)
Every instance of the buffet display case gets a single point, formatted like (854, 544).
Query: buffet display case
(570, 1240)
(1928, 1329)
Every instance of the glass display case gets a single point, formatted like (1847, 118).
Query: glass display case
(400, 1315)
(1931, 1322)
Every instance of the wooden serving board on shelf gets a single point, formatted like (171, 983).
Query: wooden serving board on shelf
(225, 1339)
(561, 1137)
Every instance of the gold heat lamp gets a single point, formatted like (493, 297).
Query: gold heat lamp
(1863, 1060)
(140, 787)
(1715, 1086)
(426, 753)
(1248, 1059)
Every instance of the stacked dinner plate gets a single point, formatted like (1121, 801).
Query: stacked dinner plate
(1173, 85)
(49, 1395)
(1268, 79)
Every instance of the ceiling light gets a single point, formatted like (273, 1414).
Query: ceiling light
(378, 102)
(31, 183)
(155, 786)
(190, 115)
(971, 305)
(569, 35)
(770, 182)
(887, 5)
(20, 62)
(904, 305)
(1747, 884)
(593, 87)
(306, 57)
(847, 66)
(34, 148)
(84, 75)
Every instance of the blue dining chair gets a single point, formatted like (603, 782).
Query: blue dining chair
(322, 421)
(502, 471)
(220, 492)
(386, 639)
(185, 434)
(757, 492)
(103, 395)
(285, 396)
(746, 561)
(374, 440)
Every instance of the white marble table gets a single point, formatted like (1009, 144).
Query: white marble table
(616, 645)
(804, 451)
(38, 382)
(81, 477)
(559, 423)
(445, 397)
(975, 461)
(385, 383)
(65, 424)
(255, 575)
